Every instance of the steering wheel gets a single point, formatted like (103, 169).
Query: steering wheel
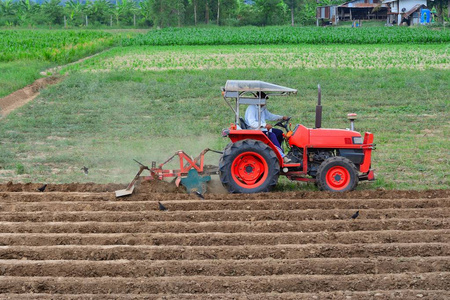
(283, 123)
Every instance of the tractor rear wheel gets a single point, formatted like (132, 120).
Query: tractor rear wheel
(337, 174)
(249, 166)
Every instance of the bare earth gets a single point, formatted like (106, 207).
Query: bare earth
(23, 96)
(77, 241)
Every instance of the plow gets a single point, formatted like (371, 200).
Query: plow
(192, 174)
(334, 160)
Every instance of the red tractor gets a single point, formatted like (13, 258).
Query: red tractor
(334, 159)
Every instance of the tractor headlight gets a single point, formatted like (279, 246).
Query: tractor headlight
(357, 140)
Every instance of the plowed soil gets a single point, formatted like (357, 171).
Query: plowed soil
(77, 241)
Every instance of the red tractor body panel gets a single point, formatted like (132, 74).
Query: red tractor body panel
(307, 138)
(367, 146)
(323, 138)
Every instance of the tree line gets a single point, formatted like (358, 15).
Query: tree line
(158, 13)
(166, 13)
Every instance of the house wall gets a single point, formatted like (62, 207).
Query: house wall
(397, 6)
(325, 12)
(407, 4)
(415, 18)
(361, 8)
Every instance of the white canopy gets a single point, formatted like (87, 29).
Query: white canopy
(256, 86)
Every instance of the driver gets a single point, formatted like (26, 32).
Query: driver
(275, 135)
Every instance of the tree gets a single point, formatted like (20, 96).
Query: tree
(53, 12)
(7, 8)
(168, 13)
(146, 11)
(75, 10)
(225, 9)
(25, 11)
(194, 3)
(99, 11)
(292, 4)
(440, 7)
(271, 12)
(125, 10)
(206, 11)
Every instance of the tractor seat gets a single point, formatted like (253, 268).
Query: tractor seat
(242, 123)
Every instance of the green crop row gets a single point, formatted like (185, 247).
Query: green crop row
(58, 46)
(289, 35)
(365, 57)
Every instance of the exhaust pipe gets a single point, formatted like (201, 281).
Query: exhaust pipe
(352, 118)
(319, 109)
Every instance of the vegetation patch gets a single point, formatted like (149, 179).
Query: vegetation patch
(17, 74)
(289, 35)
(51, 45)
(364, 57)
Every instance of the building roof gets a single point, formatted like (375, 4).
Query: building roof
(359, 4)
(412, 10)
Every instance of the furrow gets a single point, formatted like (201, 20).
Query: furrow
(336, 295)
(224, 284)
(239, 215)
(224, 226)
(225, 239)
(257, 267)
(75, 252)
(208, 205)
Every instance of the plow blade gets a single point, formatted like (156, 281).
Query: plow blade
(130, 188)
(125, 192)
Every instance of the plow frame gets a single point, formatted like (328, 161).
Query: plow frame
(186, 162)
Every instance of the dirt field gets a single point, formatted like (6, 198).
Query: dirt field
(78, 241)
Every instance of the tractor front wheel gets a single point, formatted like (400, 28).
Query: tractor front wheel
(337, 174)
(249, 166)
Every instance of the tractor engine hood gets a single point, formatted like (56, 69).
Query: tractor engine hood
(325, 138)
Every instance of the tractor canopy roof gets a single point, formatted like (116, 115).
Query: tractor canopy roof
(257, 86)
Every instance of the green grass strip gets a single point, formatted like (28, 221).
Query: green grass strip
(17, 74)
(60, 46)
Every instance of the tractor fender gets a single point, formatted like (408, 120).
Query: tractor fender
(239, 135)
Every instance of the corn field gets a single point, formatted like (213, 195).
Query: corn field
(289, 35)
